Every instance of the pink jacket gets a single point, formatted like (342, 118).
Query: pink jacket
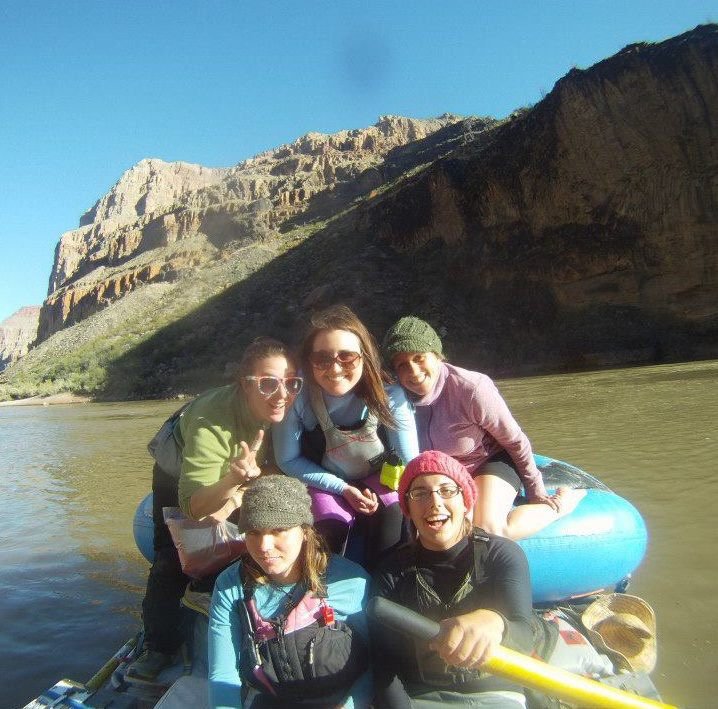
(466, 417)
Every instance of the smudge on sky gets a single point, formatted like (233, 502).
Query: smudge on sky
(365, 61)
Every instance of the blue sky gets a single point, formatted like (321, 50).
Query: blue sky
(90, 87)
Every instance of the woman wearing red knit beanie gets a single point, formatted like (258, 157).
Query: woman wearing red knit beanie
(476, 585)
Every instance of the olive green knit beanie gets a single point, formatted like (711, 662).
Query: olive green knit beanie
(410, 334)
(275, 502)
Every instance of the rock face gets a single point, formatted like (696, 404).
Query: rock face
(17, 333)
(590, 222)
(162, 219)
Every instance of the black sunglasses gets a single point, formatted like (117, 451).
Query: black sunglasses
(321, 359)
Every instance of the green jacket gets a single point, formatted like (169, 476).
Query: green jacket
(211, 430)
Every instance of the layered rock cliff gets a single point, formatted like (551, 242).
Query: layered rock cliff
(161, 219)
(17, 333)
(589, 222)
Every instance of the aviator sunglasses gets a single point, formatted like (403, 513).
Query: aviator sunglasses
(321, 359)
(269, 385)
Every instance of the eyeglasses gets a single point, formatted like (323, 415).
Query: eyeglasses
(321, 359)
(270, 385)
(421, 494)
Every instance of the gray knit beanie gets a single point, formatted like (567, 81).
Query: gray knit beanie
(275, 502)
(410, 334)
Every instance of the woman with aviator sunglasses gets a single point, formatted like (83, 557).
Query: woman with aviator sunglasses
(330, 437)
(222, 438)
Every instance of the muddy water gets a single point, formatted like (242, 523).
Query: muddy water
(71, 579)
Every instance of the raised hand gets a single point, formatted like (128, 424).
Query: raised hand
(244, 468)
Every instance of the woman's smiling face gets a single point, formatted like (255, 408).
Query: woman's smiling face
(438, 520)
(417, 371)
(337, 379)
(270, 409)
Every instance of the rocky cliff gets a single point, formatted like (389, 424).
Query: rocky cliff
(161, 219)
(580, 232)
(17, 333)
(590, 222)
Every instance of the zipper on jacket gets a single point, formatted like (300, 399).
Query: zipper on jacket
(279, 629)
(312, 669)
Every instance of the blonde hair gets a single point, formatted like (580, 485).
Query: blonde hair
(316, 560)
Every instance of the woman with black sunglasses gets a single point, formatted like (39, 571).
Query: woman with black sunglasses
(222, 439)
(341, 428)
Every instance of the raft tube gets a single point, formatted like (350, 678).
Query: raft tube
(595, 548)
(143, 529)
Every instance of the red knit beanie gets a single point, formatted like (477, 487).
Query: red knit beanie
(433, 463)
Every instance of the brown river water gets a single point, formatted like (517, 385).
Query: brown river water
(71, 578)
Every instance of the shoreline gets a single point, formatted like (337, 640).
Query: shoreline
(52, 399)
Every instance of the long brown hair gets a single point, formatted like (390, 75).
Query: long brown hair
(371, 385)
(314, 559)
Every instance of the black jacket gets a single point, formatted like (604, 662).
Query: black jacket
(483, 571)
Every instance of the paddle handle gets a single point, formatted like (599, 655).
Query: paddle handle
(517, 667)
(402, 619)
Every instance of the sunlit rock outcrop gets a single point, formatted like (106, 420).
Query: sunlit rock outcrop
(580, 232)
(127, 239)
(17, 333)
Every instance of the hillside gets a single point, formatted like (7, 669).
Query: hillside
(580, 232)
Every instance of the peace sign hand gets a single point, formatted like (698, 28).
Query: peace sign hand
(244, 468)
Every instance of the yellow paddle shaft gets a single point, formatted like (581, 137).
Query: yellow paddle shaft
(101, 676)
(562, 684)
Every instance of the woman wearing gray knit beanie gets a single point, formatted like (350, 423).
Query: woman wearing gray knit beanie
(287, 620)
(461, 413)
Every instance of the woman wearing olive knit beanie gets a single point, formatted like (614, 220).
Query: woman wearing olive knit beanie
(461, 413)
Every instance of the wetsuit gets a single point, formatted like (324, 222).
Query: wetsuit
(444, 584)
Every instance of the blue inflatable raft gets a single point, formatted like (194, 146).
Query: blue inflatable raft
(595, 548)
